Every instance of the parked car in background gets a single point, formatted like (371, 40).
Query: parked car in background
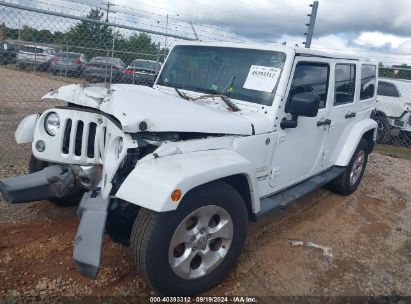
(142, 71)
(7, 53)
(393, 113)
(108, 69)
(68, 63)
(35, 56)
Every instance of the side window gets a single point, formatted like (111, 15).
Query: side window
(368, 81)
(310, 77)
(344, 83)
(387, 89)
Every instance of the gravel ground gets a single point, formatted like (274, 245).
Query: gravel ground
(364, 240)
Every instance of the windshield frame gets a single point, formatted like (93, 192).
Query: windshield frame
(278, 88)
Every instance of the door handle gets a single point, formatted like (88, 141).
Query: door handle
(350, 115)
(326, 122)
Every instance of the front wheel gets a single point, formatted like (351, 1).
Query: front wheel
(189, 250)
(349, 181)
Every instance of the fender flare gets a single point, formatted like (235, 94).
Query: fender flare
(25, 131)
(152, 181)
(352, 140)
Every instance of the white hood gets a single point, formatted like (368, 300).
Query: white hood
(162, 112)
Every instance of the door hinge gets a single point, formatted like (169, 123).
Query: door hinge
(274, 172)
(280, 138)
(324, 158)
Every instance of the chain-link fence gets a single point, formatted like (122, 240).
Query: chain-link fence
(40, 50)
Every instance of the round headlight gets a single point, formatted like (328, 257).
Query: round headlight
(119, 148)
(52, 123)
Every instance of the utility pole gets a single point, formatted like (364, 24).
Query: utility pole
(165, 38)
(18, 34)
(108, 6)
(310, 32)
(194, 30)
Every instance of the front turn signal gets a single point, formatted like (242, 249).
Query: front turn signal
(176, 195)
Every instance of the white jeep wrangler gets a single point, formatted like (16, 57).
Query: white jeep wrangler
(229, 133)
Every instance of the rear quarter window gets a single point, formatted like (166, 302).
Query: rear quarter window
(344, 83)
(368, 81)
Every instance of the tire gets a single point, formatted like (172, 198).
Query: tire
(384, 128)
(153, 232)
(36, 165)
(345, 184)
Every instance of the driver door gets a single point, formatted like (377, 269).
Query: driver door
(299, 150)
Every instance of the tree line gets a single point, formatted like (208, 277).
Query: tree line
(93, 39)
(402, 71)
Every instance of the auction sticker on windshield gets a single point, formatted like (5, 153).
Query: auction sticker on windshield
(262, 78)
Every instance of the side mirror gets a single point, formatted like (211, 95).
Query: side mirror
(301, 104)
(304, 104)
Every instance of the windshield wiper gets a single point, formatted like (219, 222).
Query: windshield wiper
(211, 94)
(228, 86)
(224, 98)
(182, 95)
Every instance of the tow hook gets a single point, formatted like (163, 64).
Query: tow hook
(95, 191)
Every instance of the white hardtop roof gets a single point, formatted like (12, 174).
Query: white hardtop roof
(279, 47)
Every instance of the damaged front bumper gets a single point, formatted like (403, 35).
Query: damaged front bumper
(58, 181)
(51, 182)
(89, 237)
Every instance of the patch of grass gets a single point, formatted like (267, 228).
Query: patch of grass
(398, 152)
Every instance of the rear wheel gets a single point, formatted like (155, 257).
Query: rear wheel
(36, 165)
(188, 251)
(349, 181)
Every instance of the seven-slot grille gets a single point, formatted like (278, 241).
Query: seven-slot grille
(83, 139)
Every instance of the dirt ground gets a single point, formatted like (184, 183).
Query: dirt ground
(366, 236)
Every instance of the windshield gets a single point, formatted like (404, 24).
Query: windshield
(107, 60)
(142, 64)
(244, 74)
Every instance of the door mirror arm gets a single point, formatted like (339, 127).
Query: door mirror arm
(289, 123)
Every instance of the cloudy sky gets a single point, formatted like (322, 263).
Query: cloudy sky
(377, 28)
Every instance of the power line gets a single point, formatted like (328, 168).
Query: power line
(178, 25)
(184, 24)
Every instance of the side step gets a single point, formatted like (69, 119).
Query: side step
(289, 195)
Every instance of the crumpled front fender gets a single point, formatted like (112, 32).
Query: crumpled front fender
(25, 131)
(153, 180)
